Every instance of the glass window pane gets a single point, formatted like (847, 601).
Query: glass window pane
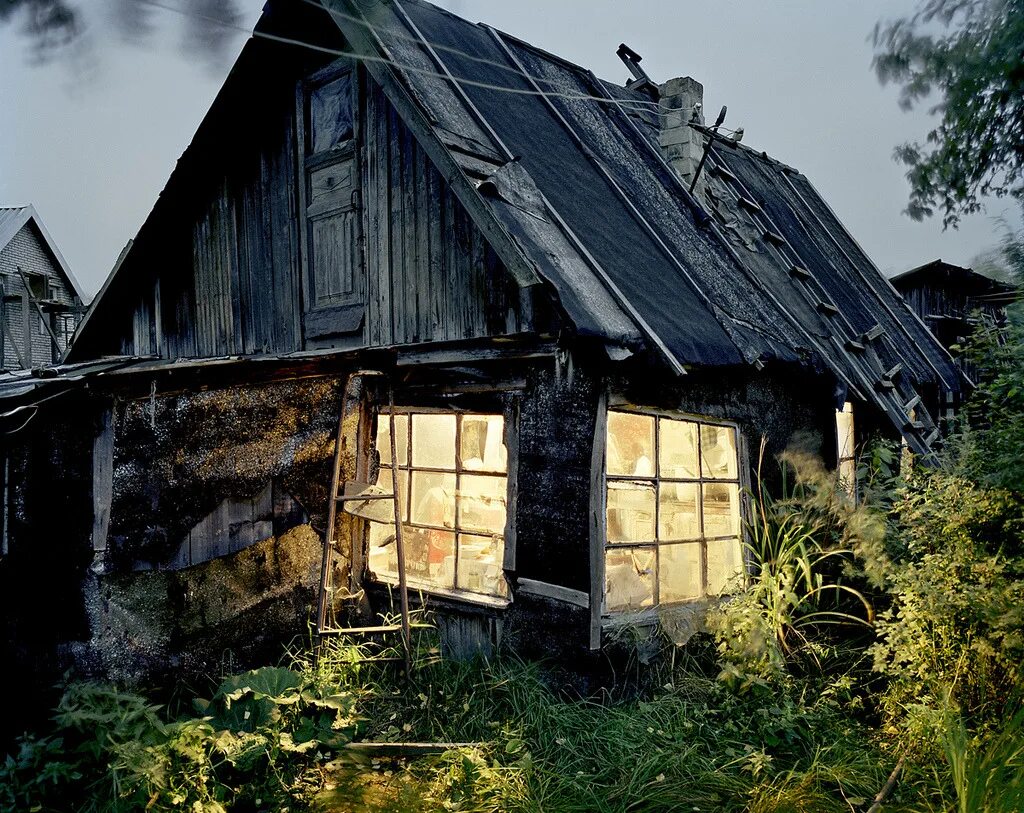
(677, 450)
(482, 503)
(480, 565)
(384, 439)
(433, 441)
(383, 558)
(718, 452)
(679, 572)
(384, 481)
(429, 558)
(330, 114)
(630, 444)
(725, 566)
(678, 511)
(483, 443)
(721, 509)
(433, 498)
(630, 512)
(629, 578)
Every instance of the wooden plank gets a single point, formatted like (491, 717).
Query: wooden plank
(408, 238)
(159, 345)
(512, 470)
(382, 204)
(26, 327)
(423, 213)
(598, 520)
(450, 267)
(435, 240)
(339, 320)
(555, 592)
(102, 479)
(397, 287)
(396, 750)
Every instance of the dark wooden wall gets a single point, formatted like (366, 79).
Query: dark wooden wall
(218, 268)
(432, 276)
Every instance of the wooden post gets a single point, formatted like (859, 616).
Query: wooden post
(102, 479)
(26, 328)
(598, 519)
(403, 589)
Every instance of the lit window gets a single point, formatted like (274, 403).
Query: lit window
(673, 511)
(453, 485)
(845, 449)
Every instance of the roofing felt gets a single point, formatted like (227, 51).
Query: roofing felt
(714, 284)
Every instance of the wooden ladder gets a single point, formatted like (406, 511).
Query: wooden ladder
(345, 493)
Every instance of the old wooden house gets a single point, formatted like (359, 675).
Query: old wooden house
(954, 301)
(40, 301)
(582, 307)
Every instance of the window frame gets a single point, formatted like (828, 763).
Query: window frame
(741, 481)
(507, 535)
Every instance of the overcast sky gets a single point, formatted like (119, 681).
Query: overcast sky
(91, 139)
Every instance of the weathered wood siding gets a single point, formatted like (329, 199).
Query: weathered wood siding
(236, 290)
(431, 274)
(223, 271)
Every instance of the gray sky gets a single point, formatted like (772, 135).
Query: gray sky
(91, 139)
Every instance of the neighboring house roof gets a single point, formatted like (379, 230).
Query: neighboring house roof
(569, 178)
(14, 218)
(965, 281)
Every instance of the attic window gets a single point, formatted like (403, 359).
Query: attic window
(330, 114)
(453, 492)
(673, 510)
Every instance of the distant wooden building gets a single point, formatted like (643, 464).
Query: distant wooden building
(581, 355)
(953, 301)
(40, 301)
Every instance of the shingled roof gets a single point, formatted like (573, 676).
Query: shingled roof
(567, 170)
(761, 270)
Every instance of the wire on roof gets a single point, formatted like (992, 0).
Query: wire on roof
(622, 103)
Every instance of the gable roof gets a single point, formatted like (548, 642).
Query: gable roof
(564, 174)
(764, 272)
(14, 218)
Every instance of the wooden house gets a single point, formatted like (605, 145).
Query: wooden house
(40, 301)
(583, 307)
(953, 301)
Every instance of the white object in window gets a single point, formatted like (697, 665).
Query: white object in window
(673, 510)
(453, 487)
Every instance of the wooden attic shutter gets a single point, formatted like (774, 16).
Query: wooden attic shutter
(334, 269)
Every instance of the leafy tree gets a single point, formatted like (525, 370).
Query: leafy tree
(968, 57)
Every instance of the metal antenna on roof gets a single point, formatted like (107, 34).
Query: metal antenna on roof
(641, 81)
(712, 131)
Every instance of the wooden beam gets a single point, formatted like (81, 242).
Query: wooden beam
(555, 592)
(597, 519)
(102, 479)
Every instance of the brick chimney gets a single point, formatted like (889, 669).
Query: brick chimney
(681, 145)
